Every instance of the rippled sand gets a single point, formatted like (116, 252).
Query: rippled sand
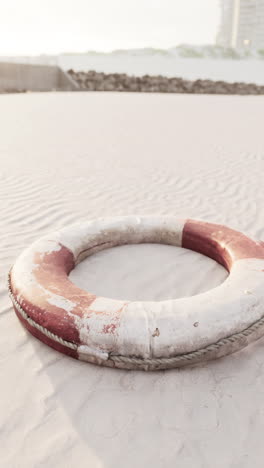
(69, 157)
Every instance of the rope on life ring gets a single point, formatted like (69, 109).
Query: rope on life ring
(162, 363)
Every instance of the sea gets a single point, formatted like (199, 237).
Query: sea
(249, 70)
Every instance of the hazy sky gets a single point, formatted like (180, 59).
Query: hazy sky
(51, 26)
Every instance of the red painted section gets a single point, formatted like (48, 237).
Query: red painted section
(219, 242)
(51, 275)
(59, 313)
(59, 347)
(111, 328)
(53, 318)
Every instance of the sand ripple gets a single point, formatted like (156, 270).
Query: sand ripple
(69, 157)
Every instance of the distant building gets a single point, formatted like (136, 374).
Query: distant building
(242, 24)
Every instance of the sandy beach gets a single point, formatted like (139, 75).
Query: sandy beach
(67, 157)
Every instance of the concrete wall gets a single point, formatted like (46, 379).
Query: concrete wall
(26, 77)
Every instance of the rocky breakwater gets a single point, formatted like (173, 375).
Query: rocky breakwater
(95, 81)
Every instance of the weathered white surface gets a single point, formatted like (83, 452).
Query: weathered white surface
(82, 236)
(70, 157)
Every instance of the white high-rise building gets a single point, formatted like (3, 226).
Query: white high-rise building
(242, 24)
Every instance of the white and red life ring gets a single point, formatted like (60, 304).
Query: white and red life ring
(140, 335)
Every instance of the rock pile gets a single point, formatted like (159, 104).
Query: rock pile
(94, 81)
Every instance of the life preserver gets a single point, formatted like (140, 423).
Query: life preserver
(140, 335)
